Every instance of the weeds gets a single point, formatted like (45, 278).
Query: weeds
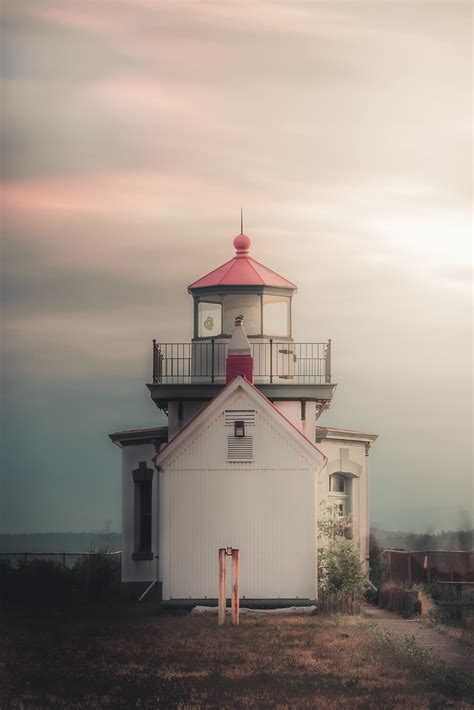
(404, 651)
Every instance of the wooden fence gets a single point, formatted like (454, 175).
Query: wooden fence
(339, 603)
(402, 601)
(428, 565)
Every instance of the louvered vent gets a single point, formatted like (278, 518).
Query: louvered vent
(240, 448)
(240, 415)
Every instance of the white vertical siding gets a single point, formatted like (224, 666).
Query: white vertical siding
(266, 508)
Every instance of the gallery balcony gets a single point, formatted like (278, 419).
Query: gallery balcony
(283, 370)
(281, 362)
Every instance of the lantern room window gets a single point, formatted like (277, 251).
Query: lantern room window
(247, 305)
(209, 319)
(276, 316)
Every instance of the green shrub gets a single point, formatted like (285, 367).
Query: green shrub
(37, 583)
(41, 583)
(97, 576)
(340, 566)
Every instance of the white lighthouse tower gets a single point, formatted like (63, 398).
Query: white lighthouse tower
(242, 462)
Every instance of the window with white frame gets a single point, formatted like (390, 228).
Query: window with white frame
(340, 493)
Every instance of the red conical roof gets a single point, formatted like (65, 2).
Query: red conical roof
(242, 270)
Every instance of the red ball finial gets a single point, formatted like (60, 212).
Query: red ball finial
(242, 244)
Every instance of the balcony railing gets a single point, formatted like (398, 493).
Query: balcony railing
(274, 362)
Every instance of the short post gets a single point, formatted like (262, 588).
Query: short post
(213, 342)
(234, 612)
(271, 360)
(222, 586)
(327, 364)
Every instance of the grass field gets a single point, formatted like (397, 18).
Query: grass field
(130, 656)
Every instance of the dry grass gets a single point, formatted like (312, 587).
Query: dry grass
(128, 657)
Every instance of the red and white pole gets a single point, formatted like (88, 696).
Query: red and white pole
(222, 585)
(234, 613)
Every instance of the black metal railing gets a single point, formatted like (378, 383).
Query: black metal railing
(273, 362)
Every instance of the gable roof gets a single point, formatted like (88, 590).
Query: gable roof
(214, 405)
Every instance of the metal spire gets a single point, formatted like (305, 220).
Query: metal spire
(241, 222)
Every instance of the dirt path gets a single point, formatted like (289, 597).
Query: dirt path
(455, 655)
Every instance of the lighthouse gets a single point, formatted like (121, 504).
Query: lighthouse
(296, 377)
(242, 462)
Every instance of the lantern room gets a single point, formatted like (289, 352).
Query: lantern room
(242, 287)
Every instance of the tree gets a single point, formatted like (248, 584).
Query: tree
(340, 566)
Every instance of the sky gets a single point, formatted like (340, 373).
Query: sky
(132, 134)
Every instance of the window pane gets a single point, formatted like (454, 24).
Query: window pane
(338, 484)
(275, 316)
(209, 317)
(247, 306)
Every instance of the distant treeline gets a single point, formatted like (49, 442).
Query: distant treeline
(61, 542)
(102, 541)
(446, 540)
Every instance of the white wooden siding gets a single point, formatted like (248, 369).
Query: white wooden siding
(266, 508)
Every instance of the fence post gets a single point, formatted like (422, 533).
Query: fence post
(154, 378)
(235, 588)
(222, 586)
(64, 559)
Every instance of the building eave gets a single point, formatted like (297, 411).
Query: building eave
(350, 435)
(139, 436)
(161, 394)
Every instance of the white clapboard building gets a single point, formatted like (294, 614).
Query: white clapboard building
(242, 462)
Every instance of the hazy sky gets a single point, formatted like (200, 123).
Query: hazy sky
(132, 134)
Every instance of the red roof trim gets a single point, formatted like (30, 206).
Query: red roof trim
(190, 421)
(289, 422)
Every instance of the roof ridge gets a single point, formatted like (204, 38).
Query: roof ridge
(218, 268)
(267, 268)
(250, 260)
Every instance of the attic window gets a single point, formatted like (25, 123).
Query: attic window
(240, 448)
(247, 416)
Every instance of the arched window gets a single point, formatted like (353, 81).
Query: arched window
(340, 494)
